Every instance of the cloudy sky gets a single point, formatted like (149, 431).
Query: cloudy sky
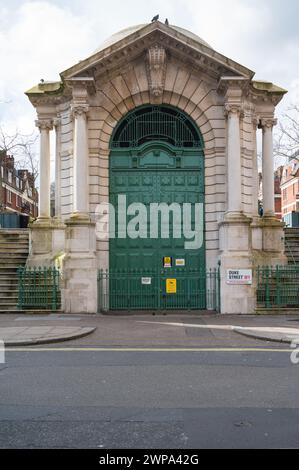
(39, 39)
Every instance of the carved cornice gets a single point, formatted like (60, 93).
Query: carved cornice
(232, 83)
(44, 124)
(81, 83)
(171, 39)
(156, 70)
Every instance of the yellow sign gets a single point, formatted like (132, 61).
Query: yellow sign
(171, 286)
(167, 262)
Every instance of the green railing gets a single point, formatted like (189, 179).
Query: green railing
(278, 286)
(148, 290)
(39, 288)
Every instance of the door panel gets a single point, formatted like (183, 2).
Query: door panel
(157, 176)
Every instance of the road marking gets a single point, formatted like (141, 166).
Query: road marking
(270, 329)
(189, 350)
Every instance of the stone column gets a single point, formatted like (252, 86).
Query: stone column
(57, 125)
(234, 230)
(44, 125)
(80, 263)
(256, 228)
(255, 170)
(268, 167)
(41, 231)
(273, 233)
(81, 188)
(234, 182)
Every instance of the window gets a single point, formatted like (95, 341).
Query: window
(9, 177)
(8, 196)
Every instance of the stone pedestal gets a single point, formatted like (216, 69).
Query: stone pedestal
(47, 242)
(79, 294)
(273, 241)
(257, 233)
(235, 246)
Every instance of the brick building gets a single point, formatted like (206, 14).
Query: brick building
(290, 192)
(277, 192)
(18, 194)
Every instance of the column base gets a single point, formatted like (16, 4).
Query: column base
(236, 248)
(80, 267)
(257, 233)
(47, 242)
(273, 240)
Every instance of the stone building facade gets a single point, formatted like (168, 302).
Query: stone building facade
(157, 65)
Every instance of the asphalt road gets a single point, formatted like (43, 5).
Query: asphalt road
(90, 398)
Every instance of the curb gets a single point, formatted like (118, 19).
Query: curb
(58, 339)
(277, 339)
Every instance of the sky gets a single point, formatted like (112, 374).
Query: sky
(39, 39)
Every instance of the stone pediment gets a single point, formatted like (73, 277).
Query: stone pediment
(188, 48)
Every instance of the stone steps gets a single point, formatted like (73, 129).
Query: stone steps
(14, 248)
(292, 245)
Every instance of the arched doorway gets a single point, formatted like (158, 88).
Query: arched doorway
(157, 157)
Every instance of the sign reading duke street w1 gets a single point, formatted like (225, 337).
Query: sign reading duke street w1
(239, 276)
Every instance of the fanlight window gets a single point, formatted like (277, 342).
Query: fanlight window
(156, 123)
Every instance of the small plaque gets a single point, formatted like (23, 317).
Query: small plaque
(146, 281)
(167, 262)
(180, 262)
(171, 287)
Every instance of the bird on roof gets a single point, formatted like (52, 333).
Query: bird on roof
(167, 22)
(155, 18)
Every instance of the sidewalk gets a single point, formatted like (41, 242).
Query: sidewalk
(180, 330)
(25, 336)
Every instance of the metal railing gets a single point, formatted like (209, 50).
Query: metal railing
(39, 288)
(149, 290)
(278, 286)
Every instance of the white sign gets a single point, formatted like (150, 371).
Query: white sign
(146, 281)
(180, 262)
(239, 277)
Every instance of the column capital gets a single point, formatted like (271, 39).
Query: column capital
(44, 124)
(268, 123)
(255, 121)
(233, 109)
(57, 122)
(79, 110)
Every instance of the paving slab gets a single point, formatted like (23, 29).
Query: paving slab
(26, 336)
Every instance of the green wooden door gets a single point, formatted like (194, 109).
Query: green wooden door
(156, 157)
(158, 174)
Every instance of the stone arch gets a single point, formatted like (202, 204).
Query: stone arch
(214, 160)
(198, 115)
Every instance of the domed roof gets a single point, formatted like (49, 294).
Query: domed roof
(133, 29)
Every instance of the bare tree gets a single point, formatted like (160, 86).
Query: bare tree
(286, 144)
(23, 148)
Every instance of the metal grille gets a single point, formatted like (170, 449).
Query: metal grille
(39, 288)
(278, 286)
(156, 123)
(125, 290)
